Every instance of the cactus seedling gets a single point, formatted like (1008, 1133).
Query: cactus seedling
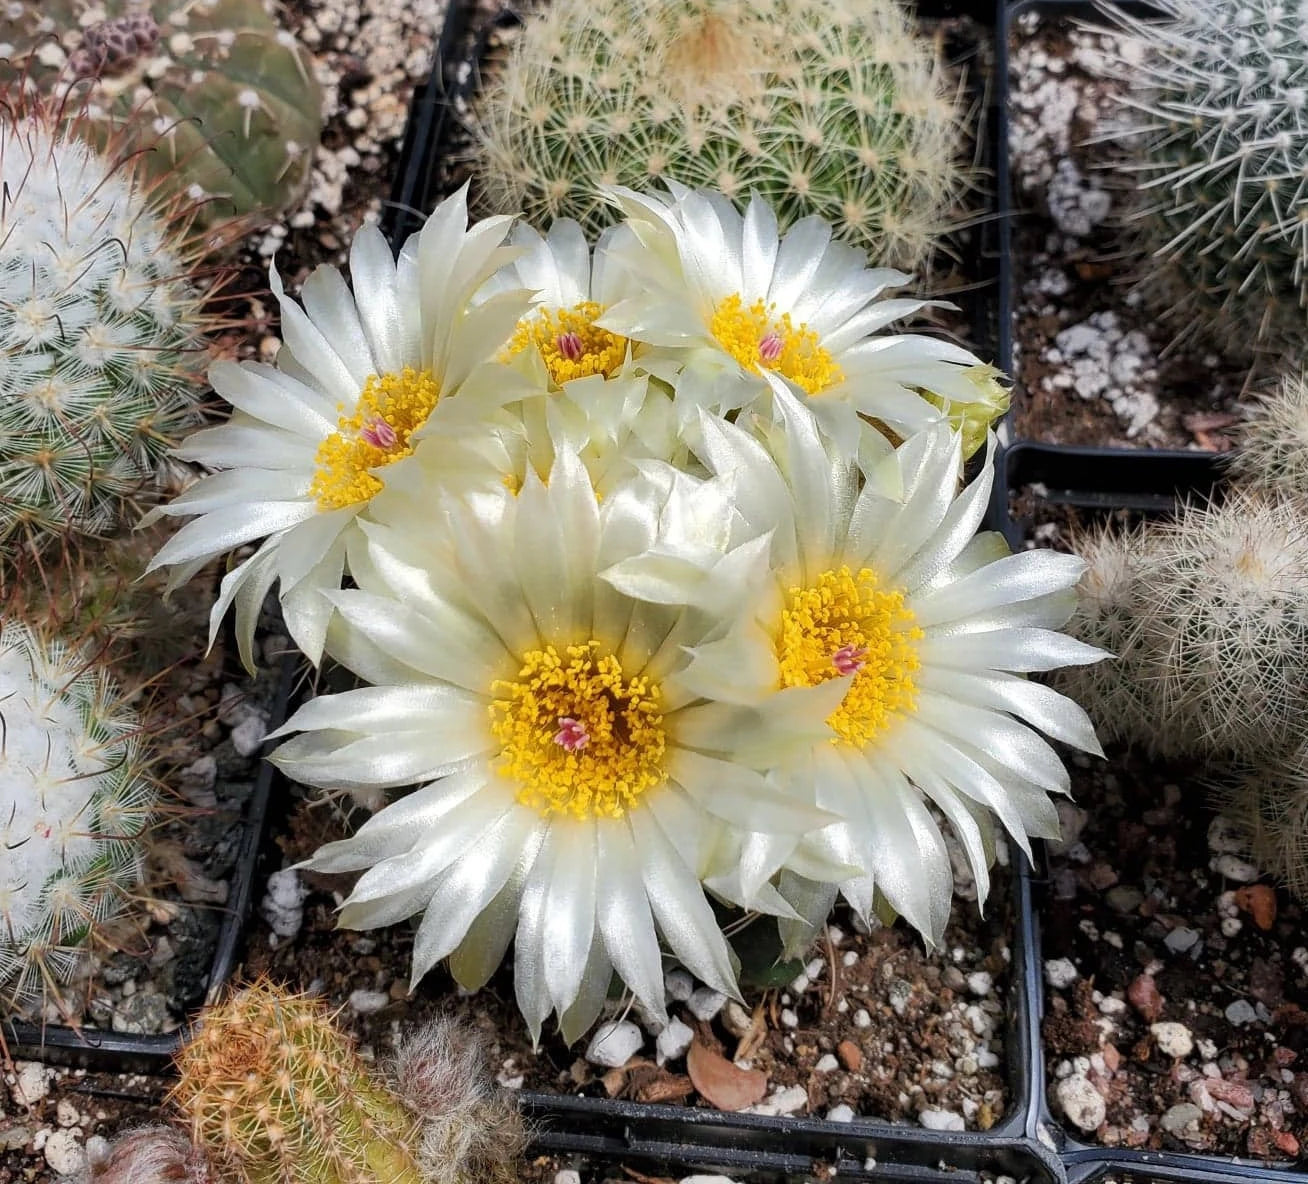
(275, 1092)
(1209, 617)
(74, 804)
(834, 109)
(101, 334)
(1214, 121)
(225, 101)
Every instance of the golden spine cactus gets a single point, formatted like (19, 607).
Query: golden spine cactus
(275, 1092)
(835, 109)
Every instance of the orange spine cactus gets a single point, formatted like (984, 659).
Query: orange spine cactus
(275, 1093)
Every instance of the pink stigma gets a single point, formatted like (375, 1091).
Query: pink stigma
(570, 346)
(379, 434)
(769, 349)
(849, 659)
(572, 735)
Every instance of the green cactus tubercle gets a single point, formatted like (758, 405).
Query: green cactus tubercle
(224, 101)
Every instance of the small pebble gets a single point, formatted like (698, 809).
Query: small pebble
(567, 1176)
(673, 1041)
(1081, 1102)
(1181, 939)
(368, 1002)
(1060, 973)
(64, 1152)
(790, 1100)
(851, 1056)
(679, 985)
(841, 1113)
(862, 1019)
(1180, 1116)
(1173, 1040)
(1239, 870)
(941, 1120)
(705, 1003)
(1241, 1012)
(826, 1063)
(614, 1044)
(980, 983)
(788, 1018)
(31, 1084)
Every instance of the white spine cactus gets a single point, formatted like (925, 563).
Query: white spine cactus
(1209, 619)
(1217, 120)
(1268, 804)
(1273, 452)
(74, 805)
(101, 334)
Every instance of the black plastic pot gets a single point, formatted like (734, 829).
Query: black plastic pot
(752, 1147)
(1130, 478)
(101, 1050)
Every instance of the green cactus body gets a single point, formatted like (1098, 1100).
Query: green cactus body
(225, 101)
(102, 355)
(276, 1094)
(1216, 94)
(74, 804)
(838, 110)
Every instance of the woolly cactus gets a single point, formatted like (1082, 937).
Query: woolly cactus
(830, 109)
(472, 1132)
(1273, 452)
(226, 101)
(74, 804)
(1209, 617)
(1216, 97)
(101, 336)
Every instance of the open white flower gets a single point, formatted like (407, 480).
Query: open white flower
(726, 297)
(572, 787)
(878, 582)
(358, 379)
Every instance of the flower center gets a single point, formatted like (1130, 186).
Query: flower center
(568, 341)
(844, 626)
(576, 736)
(758, 340)
(390, 409)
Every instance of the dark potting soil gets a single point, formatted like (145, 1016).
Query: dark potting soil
(1092, 363)
(1176, 978)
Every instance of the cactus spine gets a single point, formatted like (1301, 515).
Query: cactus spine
(838, 110)
(1209, 618)
(1273, 452)
(75, 802)
(101, 334)
(225, 100)
(1215, 122)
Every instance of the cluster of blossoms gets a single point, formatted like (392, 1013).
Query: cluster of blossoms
(662, 582)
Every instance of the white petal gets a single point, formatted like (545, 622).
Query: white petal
(623, 915)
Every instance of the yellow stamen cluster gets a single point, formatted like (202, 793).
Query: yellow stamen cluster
(569, 342)
(751, 334)
(621, 718)
(390, 409)
(845, 613)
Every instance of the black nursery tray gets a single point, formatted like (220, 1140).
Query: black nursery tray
(103, 1050)
(1143, 479)
(751, 1147)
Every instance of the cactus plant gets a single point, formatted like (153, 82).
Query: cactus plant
(1273, 451)
(275, 1092)
(101, 333)
(226, 101)
(75, 802)
(1208, 615)
(1268, 807)
(1214, 101)
(830, 109)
